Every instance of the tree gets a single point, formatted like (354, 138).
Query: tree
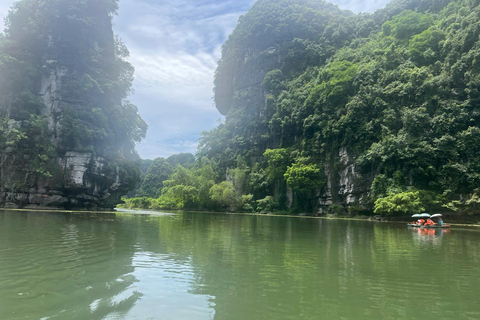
(407, 24)
(223, 194)
(179, 196)
(152, 185)
(425, 47)
(407, 202)
(183, 159)
(278, 161)
(304, 177)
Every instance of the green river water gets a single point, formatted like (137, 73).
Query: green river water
(57, 265)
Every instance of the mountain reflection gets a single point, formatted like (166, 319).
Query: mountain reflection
(197, 266)
(64, 266)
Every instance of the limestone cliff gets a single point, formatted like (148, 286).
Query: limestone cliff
(345, 184)
(370, 100)
(260, 55)
(68, 131)
(81, 180)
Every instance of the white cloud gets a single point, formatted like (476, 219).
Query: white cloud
(175, 77)
(175, 46)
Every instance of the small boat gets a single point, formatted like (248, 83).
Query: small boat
(428, 227)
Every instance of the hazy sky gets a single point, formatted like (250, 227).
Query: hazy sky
(174, 46)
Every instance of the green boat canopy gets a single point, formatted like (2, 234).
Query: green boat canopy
(436, 215)
(417, 215)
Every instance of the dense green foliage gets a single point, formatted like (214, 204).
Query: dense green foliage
(399, 203)
(72, 42)
(401, 95)
(179, 183)
(25, 152)
(397, 89)
(154, 172)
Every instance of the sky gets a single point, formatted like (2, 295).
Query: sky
(174, 46)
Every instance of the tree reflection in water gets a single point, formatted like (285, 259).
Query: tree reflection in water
(202, 266)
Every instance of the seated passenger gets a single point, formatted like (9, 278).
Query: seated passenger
(429, 222)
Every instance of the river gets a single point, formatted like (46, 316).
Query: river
(57, 265)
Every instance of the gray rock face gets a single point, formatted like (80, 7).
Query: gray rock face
(244, 89)
(345, 185)
(85, 182)
(81, 180)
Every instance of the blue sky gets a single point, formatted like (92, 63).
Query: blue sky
(174, 46)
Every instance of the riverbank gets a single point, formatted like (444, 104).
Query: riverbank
(54, 210)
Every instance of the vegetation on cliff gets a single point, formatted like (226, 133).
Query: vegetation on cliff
(301, 82)
(64, 82)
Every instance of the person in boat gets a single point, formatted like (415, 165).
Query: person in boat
(440, 222)
(420, 222)
(429, 222)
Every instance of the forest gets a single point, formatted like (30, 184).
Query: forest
(398, 90)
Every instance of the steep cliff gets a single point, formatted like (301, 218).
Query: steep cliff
(383, 103)
(68, 131)
(273, 43)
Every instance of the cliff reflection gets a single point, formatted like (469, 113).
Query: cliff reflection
(290, 268)
(197, 266)
(60, 265)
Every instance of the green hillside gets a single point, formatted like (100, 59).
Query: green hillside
(328, 111)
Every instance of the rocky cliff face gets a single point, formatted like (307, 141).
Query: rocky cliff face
(84, 182)
(345, 184)
(246, 92)
(80, 180)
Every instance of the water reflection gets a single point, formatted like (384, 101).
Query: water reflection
(227, 267)
(428, 235)
(64, 266)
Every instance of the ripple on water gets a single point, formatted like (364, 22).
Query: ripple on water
(197, 268)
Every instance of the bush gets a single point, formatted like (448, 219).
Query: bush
(223, 194)
(247, 204)
(401, 203)
(267, 204)
(336, 209)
